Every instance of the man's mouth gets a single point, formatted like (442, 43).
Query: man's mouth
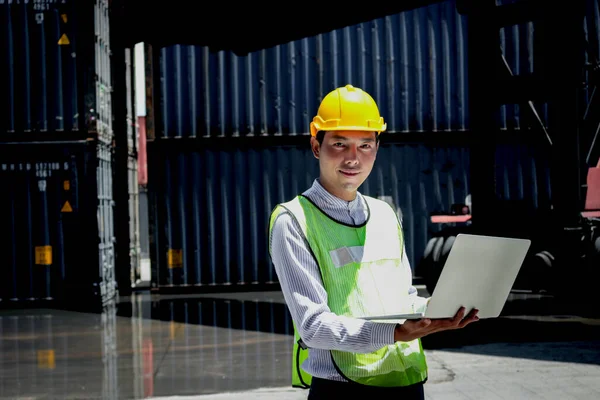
(349, 173)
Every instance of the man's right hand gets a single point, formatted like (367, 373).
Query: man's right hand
(411, 330)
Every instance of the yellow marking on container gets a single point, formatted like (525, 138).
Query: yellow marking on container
(43, 255)
(67, 185)
(64, 17)
(64, 40)
(175, 258)
(67, 207)
(46, 359)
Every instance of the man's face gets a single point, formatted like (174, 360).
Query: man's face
(345, 159)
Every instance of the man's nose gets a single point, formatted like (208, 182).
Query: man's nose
(352, 155)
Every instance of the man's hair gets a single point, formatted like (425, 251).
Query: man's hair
(321, 136)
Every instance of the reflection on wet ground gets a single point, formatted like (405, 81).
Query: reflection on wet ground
(151, 345)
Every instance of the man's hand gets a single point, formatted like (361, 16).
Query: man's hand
(411, 330)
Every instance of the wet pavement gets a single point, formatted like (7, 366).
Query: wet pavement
(205, 346)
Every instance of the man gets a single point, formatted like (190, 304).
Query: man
(340, 256)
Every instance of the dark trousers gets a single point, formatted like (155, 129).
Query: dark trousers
(331, 390)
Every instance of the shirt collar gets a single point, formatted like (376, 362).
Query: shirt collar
(319, 190)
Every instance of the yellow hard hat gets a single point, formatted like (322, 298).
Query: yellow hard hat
(347, 108)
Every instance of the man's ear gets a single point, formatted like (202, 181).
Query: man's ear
(314, 144)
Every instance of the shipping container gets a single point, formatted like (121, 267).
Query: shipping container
(213, 205)
(55, 68)
(132, 169)
(414, 64)
(56, 151)
(134, 220)
(56, 217)
(213, 181)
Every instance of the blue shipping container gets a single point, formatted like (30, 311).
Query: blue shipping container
(212, 206)
(413, 63)
(55, 68)
(58, 214)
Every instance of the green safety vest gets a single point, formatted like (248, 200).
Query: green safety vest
(363, 273)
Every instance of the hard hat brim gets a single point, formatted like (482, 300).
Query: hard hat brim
(315, 127)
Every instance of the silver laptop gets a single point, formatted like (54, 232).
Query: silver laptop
(479, 273)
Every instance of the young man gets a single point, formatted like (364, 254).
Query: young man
(340, 256)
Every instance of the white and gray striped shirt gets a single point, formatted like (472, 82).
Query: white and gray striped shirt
(298, 273)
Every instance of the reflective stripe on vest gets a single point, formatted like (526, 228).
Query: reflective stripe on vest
(363, 274)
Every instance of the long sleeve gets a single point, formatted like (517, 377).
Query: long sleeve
(301, 284)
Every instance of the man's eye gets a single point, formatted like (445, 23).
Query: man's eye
(366, 146)
(338, 144)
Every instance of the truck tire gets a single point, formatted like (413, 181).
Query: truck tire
(439, 255)
(542, 278)
(425, 267)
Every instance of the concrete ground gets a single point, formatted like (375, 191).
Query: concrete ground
(553, 370)
(540, 348)
(238, 346)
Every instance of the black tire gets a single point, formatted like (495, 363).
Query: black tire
(538, 274)
(440, 252)
(425, 267)
(427, 253)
